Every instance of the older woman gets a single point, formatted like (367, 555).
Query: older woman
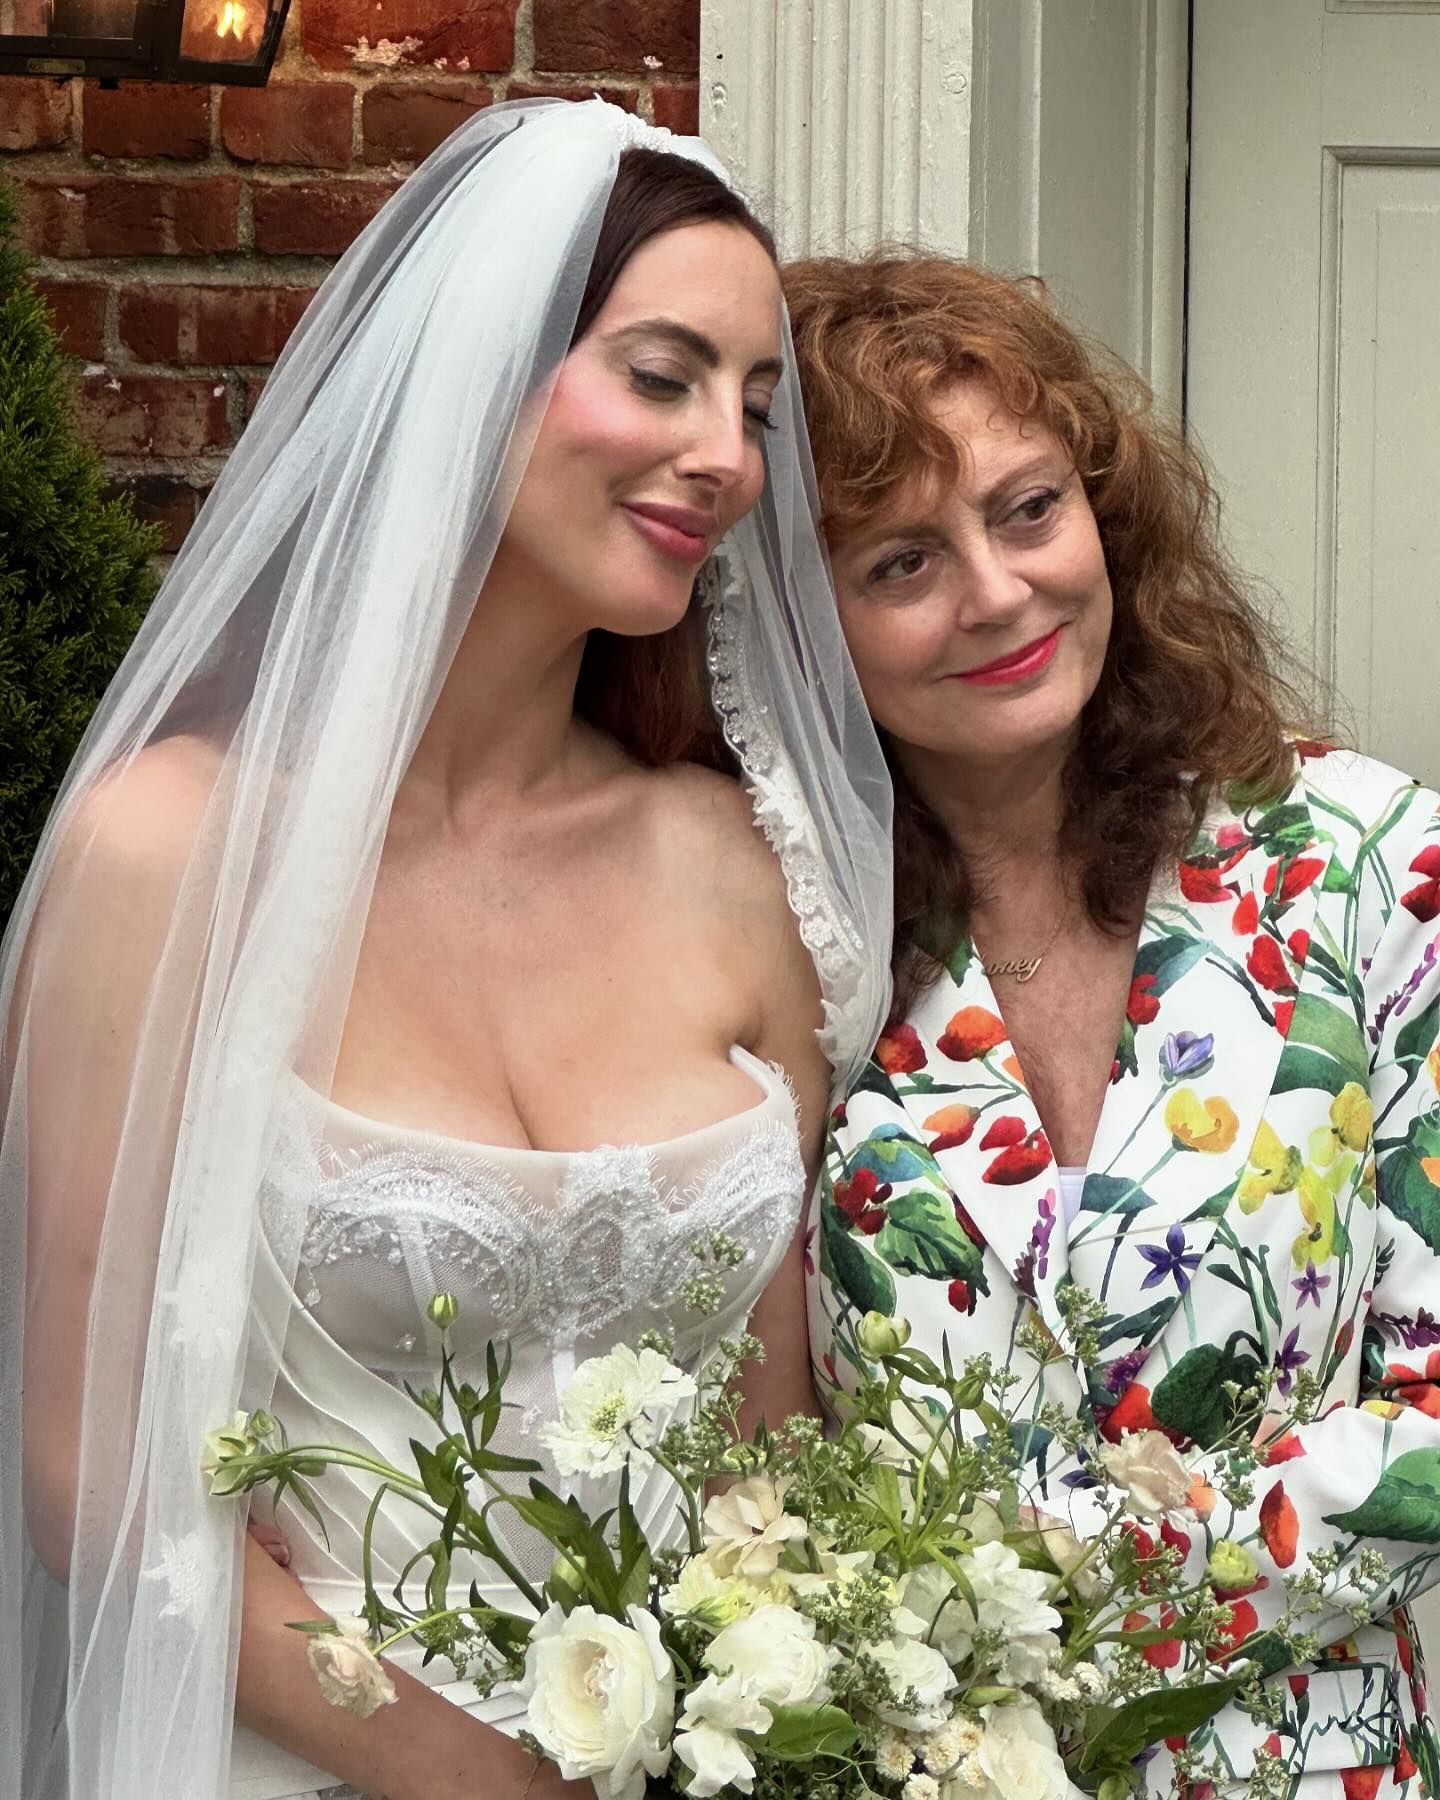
(1166, 973)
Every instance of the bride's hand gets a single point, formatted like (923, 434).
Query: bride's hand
(272, 1541)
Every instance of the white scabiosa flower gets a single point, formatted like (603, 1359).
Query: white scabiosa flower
(614, 1410)
(921, 1787)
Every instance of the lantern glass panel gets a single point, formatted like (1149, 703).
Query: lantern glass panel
(219, 31)
(59, 19)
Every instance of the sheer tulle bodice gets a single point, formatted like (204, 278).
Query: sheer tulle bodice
(560, 1254)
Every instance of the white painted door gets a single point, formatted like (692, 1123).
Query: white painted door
(1313, 351)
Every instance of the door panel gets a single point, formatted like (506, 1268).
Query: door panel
(1312, 354)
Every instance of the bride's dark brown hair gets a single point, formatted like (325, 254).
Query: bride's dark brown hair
(1191, 697)
(650, 693)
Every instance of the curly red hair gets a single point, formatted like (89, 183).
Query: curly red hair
(1191, 697)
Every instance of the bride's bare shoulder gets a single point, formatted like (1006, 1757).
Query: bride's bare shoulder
(139, 820)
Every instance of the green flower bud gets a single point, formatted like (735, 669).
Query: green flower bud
(879, 1336)
(990, 1696)
(567, 1578)
(1115, 1787)
(443, 1311)
(1232, 1566)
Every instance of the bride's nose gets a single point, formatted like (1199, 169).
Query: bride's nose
(720, 451)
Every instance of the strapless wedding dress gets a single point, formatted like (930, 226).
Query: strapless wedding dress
(562, 1254)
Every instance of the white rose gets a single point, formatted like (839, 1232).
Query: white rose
(707, 1742)
(747, 1526)
(1151, 1471)
(1018, 1754)
(776, 1654)
(910, 1665)
(350, 1674)
(601, 1698)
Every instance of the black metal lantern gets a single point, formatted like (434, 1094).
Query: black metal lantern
(232, 41)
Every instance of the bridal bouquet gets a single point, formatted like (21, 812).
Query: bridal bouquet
(876, 1613)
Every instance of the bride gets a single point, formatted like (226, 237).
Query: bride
(389, 937)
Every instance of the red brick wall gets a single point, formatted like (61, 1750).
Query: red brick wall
(181, 230)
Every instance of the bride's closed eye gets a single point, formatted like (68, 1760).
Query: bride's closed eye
(669, 388)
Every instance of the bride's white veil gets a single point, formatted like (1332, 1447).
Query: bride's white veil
(189, 931)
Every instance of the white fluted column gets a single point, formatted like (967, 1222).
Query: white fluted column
(847, 121)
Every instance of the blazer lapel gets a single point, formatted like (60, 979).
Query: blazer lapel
(965, 1095)
(1217, 976)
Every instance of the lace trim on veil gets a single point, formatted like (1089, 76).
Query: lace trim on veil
(826, 929)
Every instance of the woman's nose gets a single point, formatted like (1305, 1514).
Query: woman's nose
(720, 450)
(991, 591)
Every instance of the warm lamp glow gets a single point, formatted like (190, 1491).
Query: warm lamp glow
(218, 29)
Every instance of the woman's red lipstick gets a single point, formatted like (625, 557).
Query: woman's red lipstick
(1020, 665)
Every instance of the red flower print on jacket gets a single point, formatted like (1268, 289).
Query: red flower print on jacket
(1405, 1765)
(1202, 886)
(1284, 1016)
(1020, 1162)
(1246, 921)
(1297, 876)
(1280, 1525)
(961, 1296)
(973, 1031)
(1003, 1132)
(1266, 962)
(1424, 899)
(1363, 1784)
(861, 1201)
(1243, 1621)
(1131, 1412)
(1143, 1005)
(900, 1051)
(1419, 1388)
(952, 1126)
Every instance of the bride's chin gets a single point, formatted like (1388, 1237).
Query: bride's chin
(644, 617)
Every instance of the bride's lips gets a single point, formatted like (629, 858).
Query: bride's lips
(1020, 665)
(681, 532)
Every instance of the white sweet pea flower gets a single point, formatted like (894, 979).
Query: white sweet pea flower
(838, 1569)
(614, 1409)
(707, 1742)
(776, 1654)
(1153, 1474)
(1017, 1753)
(910, 1665)
(601, 1698)
(1064, 1549)
(747, 1527)
(350, 1674)
(702, 1592)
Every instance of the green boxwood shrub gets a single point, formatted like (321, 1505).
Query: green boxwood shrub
(75, 574)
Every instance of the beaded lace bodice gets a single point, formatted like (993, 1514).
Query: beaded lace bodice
(562, 1255)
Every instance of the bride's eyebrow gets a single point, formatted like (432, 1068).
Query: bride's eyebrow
(694, 341)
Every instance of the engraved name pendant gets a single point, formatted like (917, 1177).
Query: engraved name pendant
(1022, 968)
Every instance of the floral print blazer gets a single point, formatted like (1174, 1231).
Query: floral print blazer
(1263, 1189)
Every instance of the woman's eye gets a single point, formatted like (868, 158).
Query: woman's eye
(1037, 508)
(657, 387)
(902, 567)
(760, 416)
